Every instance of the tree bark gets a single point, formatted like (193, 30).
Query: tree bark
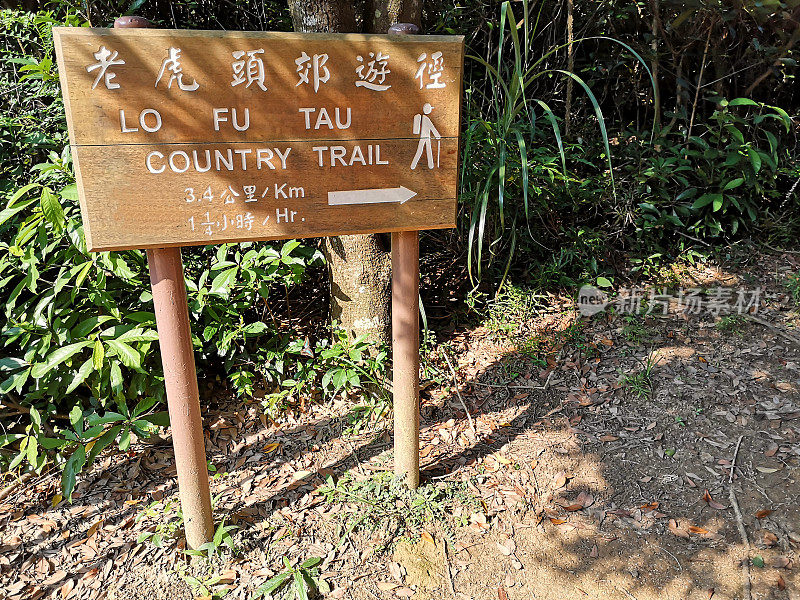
(379, 15)
(359, 266)
(323, 16)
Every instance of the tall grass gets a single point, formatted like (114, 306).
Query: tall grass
(499, 132)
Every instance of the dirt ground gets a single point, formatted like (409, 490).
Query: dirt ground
(614, 457)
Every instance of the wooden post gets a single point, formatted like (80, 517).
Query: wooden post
(405, 354)
(405, 340)
(180, 379)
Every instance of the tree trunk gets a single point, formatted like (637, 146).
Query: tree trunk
(379, 15)
(323, 16)
(359, 266)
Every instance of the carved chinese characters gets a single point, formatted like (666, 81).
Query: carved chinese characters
(186, 137)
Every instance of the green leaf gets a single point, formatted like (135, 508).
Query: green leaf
(139, 335)
(257, 327)
(51, 208)
(733, 183)
(72, 467)
(311, 562)
(56, 357)
(32, 451)
(97, 355)
(603, 282)
(742, 102)
(758, 562)
(160, 418)
(129, 357)
(222, 282)
(755, 159)
(51, 443)
(125, 439)
(116, 379)
(81, 375)
(300, 589)
(70, 192)
(76, 418)
(11, 209)
(102, 442)
(9, 363)
(143, 405)
(705, 200)
(272, 585)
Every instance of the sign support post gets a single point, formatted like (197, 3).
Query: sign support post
(180, 379)
(405, 341)
(405, 354)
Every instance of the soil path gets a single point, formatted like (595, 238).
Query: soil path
(613, 457)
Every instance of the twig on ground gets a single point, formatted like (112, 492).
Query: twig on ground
(6, 491)
(777, 330)
(355, 455)
(458, 393)
(733, 460)
(518, 387)
(746, 584)
(447, 568)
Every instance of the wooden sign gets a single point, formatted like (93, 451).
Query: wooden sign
(199, 137)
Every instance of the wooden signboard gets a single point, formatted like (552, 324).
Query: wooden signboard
(199, 137)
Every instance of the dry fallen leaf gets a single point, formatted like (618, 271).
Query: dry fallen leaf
(386, 586)
(676, 529)
(559, 480)
(767, 469)
(501, 593)
(557, 521)
(67, 588)
(697, 530)
(764, 513)
(55, 578)
(595, 552)
(770, 452)
(781, 562)
(781, 583)
(427, 537)
(228, 576)
(711, 502)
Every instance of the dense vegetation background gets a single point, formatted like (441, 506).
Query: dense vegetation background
(598, 141)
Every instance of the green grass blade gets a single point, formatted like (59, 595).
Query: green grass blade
(523, 154)
(600, 119)
(557, 132)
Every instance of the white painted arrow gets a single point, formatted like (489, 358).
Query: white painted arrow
(398, 194)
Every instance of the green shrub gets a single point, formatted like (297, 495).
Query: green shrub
(80, 368)
(719, 181)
